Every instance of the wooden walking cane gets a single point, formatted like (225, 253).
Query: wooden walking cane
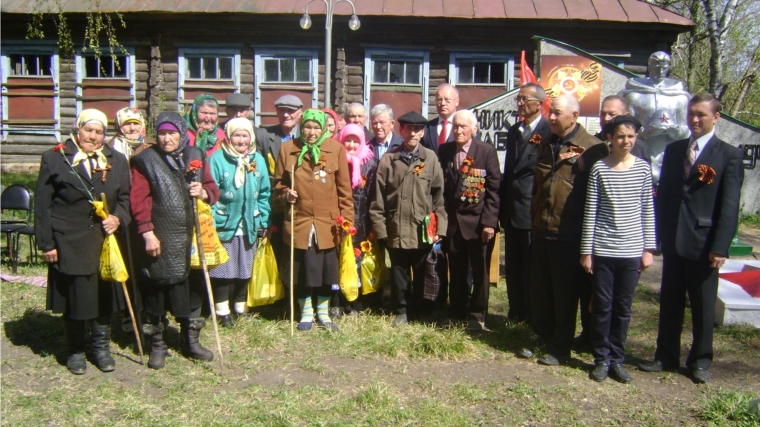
(202, 257)
(126, 294)
(292, 229)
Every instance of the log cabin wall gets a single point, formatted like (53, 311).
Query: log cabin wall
(157, 40)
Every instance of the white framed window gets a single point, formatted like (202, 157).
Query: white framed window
(30, 72)
(207, 68)
(482, 69)
(287, 70)
(117, 72)
(284, 69)
(395, 69)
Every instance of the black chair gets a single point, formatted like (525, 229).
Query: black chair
(17, 198)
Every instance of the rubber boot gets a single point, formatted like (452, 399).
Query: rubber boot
(191, 346)
(154, 328)
(74, 330)
(101, 344)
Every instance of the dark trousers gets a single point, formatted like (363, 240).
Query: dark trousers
(700, 281)
(517, 266)
(230, 290)
(556, 277)
(463, 256)
(407, 296)
(587, 319)
(614, 284)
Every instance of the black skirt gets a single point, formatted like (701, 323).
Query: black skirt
(312, 267)
(179, 299)
(83, 297)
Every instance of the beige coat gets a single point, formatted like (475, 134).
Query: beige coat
(403, 198)
(318, 203)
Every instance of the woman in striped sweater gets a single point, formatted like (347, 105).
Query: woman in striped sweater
(617, 244)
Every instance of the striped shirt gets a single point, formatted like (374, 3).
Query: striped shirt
(619, 217)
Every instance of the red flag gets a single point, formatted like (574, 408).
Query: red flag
(527, 76)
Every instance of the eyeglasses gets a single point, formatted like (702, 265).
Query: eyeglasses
(442, 101)
(524, 99)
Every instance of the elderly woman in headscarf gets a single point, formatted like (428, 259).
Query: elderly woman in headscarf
(70, 234)
(166, 178)
(130, 138)
(240, 213)
(363, 166)
(322, 195)
(202, 123)
(331, 123)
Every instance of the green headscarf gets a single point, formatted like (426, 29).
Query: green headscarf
(203, 139)
(319, 117)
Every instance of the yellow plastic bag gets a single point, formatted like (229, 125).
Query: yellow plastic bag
(213, 250)
(374, 273)
(265, 286)
(348, 278)
(112, 268)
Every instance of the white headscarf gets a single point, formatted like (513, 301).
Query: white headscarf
(243, 159)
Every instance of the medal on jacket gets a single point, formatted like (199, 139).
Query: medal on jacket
(473, 182)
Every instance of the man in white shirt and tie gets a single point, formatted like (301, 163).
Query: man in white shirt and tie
(382, 124)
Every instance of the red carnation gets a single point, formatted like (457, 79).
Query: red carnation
(58, 148)
(273, 228)
(357, 252)
(340, 220)
(352, 231)
(195, 165)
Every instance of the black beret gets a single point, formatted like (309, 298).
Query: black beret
(413, 118)
(619, 120)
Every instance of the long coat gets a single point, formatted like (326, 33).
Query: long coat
(517, 179)
(470, 217)
(65, 220)
(694, 218)
(403, 198)
(319, 203)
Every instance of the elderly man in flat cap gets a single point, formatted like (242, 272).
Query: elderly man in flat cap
(409, 190)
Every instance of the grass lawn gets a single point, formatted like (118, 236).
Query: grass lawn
(367, 374)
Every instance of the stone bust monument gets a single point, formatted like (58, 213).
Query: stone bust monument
(660, 104)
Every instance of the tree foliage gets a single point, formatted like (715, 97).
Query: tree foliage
(721, 54)
(100, 28)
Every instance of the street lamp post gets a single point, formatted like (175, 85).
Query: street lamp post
(353, 24)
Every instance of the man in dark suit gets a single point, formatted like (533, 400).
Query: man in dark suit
(382, 123)
(515, 194)
(696, 212)
(613, 106)
(438, 131)
(471, 176)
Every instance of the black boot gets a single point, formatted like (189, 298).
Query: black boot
(158, 348)
(191, 346)
(101, 344)
(74, 330)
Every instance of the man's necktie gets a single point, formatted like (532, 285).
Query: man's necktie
(691, 157)
(442, 135)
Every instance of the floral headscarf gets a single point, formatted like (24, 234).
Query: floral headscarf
(174, 159)
(362, 155)
(124, 116)
(89, 115)
(317, 116)
(243, 159)
(203, 139)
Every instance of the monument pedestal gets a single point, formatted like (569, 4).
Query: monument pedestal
(738, 293)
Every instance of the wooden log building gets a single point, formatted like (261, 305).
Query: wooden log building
(176, 49)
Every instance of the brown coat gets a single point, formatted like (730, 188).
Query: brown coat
(318, 203)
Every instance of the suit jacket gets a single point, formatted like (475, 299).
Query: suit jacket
(65, 220)
(319, 203)
(430, 138)
(694, 218)
(470, 218)
(368, 135)
(517, 180)
(396, 141)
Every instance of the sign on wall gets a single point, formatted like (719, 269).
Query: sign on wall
(573, 75)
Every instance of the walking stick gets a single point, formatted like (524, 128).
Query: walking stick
(292, 229)
(126, 293)
(135, 319)
(202, 256)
